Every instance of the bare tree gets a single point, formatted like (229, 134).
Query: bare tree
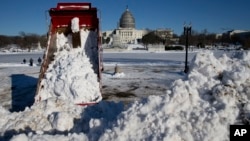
(29, 40)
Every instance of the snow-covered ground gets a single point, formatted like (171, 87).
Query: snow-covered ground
(158, 100)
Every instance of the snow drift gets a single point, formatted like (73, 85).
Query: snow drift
(214, 95)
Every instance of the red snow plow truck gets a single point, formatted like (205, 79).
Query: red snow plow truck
(73, 26)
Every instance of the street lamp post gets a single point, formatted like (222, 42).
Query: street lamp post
(187, 31)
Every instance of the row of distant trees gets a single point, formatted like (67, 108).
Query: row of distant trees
(203, 38)
(199, 39)
(23, 40)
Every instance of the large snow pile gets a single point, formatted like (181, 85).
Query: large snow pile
(71, 76)
(214, 96)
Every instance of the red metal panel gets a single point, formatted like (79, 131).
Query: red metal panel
(62, 15)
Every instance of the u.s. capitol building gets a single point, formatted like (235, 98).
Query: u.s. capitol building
(126, 33)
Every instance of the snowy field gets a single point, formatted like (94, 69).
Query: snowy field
(152, 99)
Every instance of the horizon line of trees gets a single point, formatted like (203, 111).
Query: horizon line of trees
(23, 40)
(199, 39)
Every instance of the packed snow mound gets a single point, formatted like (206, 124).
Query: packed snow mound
(43, 116)
(199, 108)
(75, 25)
(55, 118)
(118, 75)
(71, 76)
(214, 96)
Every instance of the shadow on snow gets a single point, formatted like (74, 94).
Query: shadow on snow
(23, 89)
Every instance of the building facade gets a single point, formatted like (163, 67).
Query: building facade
(125, 33)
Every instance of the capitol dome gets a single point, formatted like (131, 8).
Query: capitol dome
(127, 20)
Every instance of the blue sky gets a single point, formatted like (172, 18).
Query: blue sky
(212, 15)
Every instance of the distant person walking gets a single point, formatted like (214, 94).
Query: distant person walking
(24, 61)
(39, 61)
(31, 62)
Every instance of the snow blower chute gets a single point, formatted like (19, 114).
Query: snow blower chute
(71, 68)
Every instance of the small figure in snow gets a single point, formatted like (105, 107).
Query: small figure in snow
(24, 61)
(31, 62)
(39, 61)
